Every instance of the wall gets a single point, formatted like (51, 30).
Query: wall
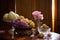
(26, 7)
(5, 7)
(57, 26)
(45, 7)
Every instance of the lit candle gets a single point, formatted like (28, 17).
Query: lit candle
(53, 13)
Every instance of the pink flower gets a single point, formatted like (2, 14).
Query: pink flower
(37, 15)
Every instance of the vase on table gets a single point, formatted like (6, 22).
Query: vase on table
(38, 17)
(39, 23)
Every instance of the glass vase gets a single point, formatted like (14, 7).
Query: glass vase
(39, 23)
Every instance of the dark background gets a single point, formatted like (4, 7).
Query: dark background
(25, 8)
(57, 27)
(5, 7)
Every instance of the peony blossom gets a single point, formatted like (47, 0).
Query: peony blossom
(37, 15)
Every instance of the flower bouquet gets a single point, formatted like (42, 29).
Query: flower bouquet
(38, 17)
(41, 28)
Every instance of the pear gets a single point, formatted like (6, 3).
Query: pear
(13, 16)
(5, 17)
(17, 16)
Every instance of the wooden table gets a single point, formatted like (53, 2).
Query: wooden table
(22, 38)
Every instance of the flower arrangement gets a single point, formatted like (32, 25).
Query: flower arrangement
(37, 15)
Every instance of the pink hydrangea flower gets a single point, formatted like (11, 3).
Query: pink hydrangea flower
(37, 15)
